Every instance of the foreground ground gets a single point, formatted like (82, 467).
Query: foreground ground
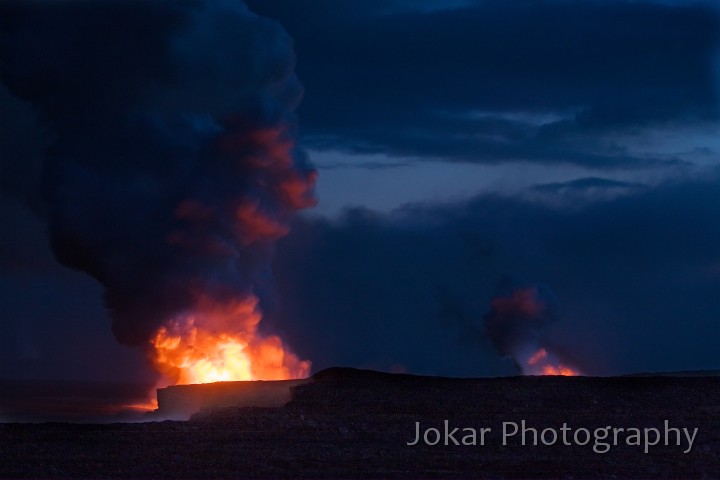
(355, 424)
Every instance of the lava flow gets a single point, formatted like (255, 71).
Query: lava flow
(221, 343)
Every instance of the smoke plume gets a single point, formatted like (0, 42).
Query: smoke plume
(173, 167)
(518, 316)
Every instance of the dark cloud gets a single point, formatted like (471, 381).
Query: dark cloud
(55, 327)
(634, 280)
(584, 190)
(110, 114)
(517, 315)
(492, 81)
(584, 185)
(171, 166)
(22, 142)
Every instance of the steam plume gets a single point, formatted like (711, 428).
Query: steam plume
(518, 315)
(174, 166)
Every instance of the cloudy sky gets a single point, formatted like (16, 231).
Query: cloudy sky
(466, 150)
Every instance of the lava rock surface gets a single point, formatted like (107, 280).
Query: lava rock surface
(356, 424)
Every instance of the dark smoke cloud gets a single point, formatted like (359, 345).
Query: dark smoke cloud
(22, 143)
(636, 275)
(518, 315)
(171, 167)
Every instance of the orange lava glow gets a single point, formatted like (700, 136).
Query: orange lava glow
(148, 406)
(541, 363)
(218, 343)
(559, 370)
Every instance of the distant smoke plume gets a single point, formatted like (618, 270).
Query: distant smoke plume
(518, 315)
(174, 166)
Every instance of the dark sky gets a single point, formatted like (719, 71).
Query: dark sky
(465, 149)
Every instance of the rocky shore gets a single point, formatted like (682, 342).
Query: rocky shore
(358, 424)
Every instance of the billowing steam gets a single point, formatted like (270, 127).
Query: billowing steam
(173, 168)
(515, 324)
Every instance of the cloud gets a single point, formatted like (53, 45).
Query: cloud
(635, 270)
(23, 142)
(634, 278)
(173, 165)
(407, 82)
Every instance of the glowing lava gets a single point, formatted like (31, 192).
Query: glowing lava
(542, 363)
(220, 342)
